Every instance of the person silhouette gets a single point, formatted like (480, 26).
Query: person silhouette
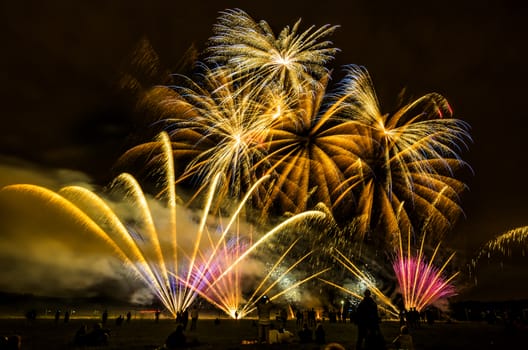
(305, 334)
(194, 317)
(320, 335)
(404, 340)
(104, 317)
(176, 339)
(367, 319)
(264, 321)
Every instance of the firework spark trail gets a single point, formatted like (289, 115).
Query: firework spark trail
(224, 127)
(253, 54)
(505, 243)
(175, 275)
(262, 107)
(127, 249)
(421, 283)
(350, 266)
(309, 152)
(390, 310)
(409, 156)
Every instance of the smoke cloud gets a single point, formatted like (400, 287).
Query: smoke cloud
(46, 251)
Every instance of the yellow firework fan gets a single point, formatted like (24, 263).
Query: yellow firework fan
(253, 115)
(506, 243)
(309, 153)
(408, 157)
(252, 52)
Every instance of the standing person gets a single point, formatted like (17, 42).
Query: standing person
(185, 319)
(104, 317)
(366, 319)
(283, 317)
(194, 317)
(128, 317)
(311, 317)
(264, 321)
(299, 316)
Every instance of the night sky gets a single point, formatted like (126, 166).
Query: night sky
(62, 107)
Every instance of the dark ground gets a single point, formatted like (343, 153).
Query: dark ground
(144, 333)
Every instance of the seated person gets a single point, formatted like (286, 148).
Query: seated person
(14, 342)
(176, 339)
(280, 336)
(285, 336)
(305, 334)
(80, 336)
(404, 340)
(320, 335)
(97, 336)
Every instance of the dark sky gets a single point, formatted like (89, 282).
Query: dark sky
(62, 59)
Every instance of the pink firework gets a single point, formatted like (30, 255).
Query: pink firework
(421, 283)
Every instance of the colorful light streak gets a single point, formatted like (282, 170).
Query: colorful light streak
(263, 108)
(421, 283)
(387, 304)
(211, 268)
(505, 244)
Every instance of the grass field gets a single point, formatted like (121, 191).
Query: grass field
(230, 334)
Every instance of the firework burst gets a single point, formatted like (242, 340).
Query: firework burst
(421, 283)
(366, 279)
(308, 153)
(406, 157)
(252, 52)
(505, 244)
(265, 108)
(176, 267)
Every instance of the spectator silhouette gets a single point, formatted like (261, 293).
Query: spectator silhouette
(283, 317)
(264, 321)
(98, 336)
(176, 339)
(194, 317)
(185, 319)
(305, 334)
(128, 317)
(320, 335)
(13, 342)
(367, 320)
(311, 317)
(280, 336)
(80, 336)
(404, 340)
(104, 317)
(299, 317)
